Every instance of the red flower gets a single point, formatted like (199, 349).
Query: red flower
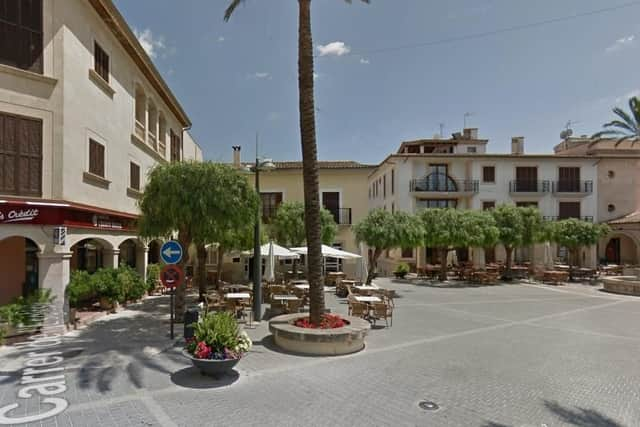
(329, 321)
(203, 351)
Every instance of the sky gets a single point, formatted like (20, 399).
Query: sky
(392, 70)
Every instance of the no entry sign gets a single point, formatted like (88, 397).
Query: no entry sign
(171, 276)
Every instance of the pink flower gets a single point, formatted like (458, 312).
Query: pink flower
(203, 351)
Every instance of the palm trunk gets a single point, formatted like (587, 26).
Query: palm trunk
(508, 274)
(201, 271)
(373, 264)
(219, 264)
(184, 237)
(310, 162)
(443, 263)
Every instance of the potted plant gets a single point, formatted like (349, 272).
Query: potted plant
(401, 270)
(108, 288)
(217, 345)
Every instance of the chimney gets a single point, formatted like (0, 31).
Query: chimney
(517, 145)
(470, 133)
(236, 157)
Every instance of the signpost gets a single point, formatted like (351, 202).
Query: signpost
(171, 275)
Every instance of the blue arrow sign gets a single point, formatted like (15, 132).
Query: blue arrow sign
(171, 252)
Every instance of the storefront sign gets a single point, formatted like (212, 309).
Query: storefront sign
(19, 215)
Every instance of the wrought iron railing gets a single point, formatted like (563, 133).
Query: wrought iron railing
(529, 186)
(444, 185)
(570, 186)
(558, 218)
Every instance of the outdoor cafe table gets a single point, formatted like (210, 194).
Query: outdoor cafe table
(238, 295)
(285, 297)
(300, 282)
(367, 299)
(305, 287)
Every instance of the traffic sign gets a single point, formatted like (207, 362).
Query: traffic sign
(171, 276)
(171, 252)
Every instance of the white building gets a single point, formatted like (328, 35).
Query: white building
(84, 115)
(459, 173)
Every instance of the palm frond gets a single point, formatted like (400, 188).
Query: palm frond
(231, 8)
(622, 126)
(624, 116)
(634, 106)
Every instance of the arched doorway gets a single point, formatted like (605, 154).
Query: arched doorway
(88, 255)
(621, 249)
(20, 268)
(128, 253)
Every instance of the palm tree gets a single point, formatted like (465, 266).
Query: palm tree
(627, 128)
(309, 155)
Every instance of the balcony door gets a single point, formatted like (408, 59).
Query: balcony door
(527, 179)
(569, 180)
(331, 202)
(20, 156)
(568, 210)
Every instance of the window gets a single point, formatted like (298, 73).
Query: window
(384, 186)
(20, 155)
(176, 147)
(331, 202)
(134, 176)
(488, 205)
(569, 179)
(489, 174)
(526, 179)
(101, 62)
(270, 203)
(393, 181)
(96, 158)
(527, 204)
(407, 252)
(472, 150)
(436, 203)
(568, 210)
(21, 34)
(413, 149)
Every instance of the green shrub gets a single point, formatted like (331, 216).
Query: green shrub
(24, 311)
(105, 284)
(3, 333)
(402, 269)
(80, 290)
(153, 274)
(133, 287)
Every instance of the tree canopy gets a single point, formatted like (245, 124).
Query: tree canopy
(288, 227)
(574, 233)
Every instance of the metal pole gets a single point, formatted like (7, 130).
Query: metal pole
(173, 292)
(257, 256)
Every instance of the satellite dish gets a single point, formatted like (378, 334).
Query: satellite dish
(566, 133)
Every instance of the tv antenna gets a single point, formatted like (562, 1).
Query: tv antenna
(567, 131)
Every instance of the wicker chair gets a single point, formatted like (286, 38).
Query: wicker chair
(294, 306)
(359, 309)
(382, 311)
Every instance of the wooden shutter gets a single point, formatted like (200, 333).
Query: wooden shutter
(331, 202)
(568, 210)
(569, 179)
(488, 205)
(21, 34)
(527, 178)
(393, 181)
(96, 158)
(20, 155)
(135, 176)
(488, 174)
(175, 147)
(101, 62)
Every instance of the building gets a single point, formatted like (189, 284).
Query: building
(84, 115)
(342, 190)
(595, 184)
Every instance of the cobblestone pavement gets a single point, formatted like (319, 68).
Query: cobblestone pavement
(511, 355)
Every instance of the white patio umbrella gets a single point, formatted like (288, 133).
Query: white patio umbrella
(269, 271)
(328, 252)
(452, 257)
(278, 251)
(363, 268)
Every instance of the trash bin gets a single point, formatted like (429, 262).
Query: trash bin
(190, 316)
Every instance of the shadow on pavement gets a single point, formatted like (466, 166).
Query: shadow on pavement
(580, 416)
(192, 378)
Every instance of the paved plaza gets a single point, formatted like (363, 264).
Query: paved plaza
(510, 355)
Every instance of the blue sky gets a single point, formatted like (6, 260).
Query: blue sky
(239, 77)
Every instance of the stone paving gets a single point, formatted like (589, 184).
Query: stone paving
(510, 355)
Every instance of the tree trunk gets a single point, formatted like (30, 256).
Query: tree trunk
(443, 263)
(572, 258)
(184, 238)
(294, 269)
(373, 265)
(508, 274)
(219, 264)
(201, 271)
(310, 163)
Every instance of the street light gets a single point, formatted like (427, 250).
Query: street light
(260, 165)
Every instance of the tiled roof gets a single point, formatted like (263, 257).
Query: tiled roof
(632, 218)
(326, 164)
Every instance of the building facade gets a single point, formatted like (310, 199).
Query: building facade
(84, 115)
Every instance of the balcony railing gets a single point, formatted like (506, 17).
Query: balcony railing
(139, 131)
(567, 186)
(529, 186)
(342, 216)
(448, 185)
(557, 218)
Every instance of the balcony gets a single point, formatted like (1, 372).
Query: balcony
(557, 218)
(139, 130)
(579, 188)
(529, 187)
(342, 216)
(439, 184)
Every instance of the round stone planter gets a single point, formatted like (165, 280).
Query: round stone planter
(318, 342)
(214, 368)
(626, 285)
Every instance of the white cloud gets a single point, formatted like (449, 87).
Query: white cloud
(260, 75)
(365, 61)
(221, 39)
(150, 43)
(333, 49)
(621, 43)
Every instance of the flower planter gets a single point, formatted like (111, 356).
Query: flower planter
(212, 367)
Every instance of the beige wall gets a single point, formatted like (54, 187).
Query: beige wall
(621, 190)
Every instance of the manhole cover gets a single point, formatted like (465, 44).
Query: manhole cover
(428, 405)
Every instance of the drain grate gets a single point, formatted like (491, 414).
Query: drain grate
(427, 405)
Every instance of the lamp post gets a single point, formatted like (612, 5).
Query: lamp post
(264, 164)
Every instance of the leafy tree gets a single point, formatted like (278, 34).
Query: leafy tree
(313, 224)
(575, 234)
(381, 230)
(627, 127)
(197, 200)
(512, 230)
(235, 239)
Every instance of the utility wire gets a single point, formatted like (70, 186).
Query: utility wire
(493, 32)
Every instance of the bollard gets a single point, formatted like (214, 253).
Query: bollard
(190, 316)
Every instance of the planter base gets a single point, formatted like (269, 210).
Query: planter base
(212, 368)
